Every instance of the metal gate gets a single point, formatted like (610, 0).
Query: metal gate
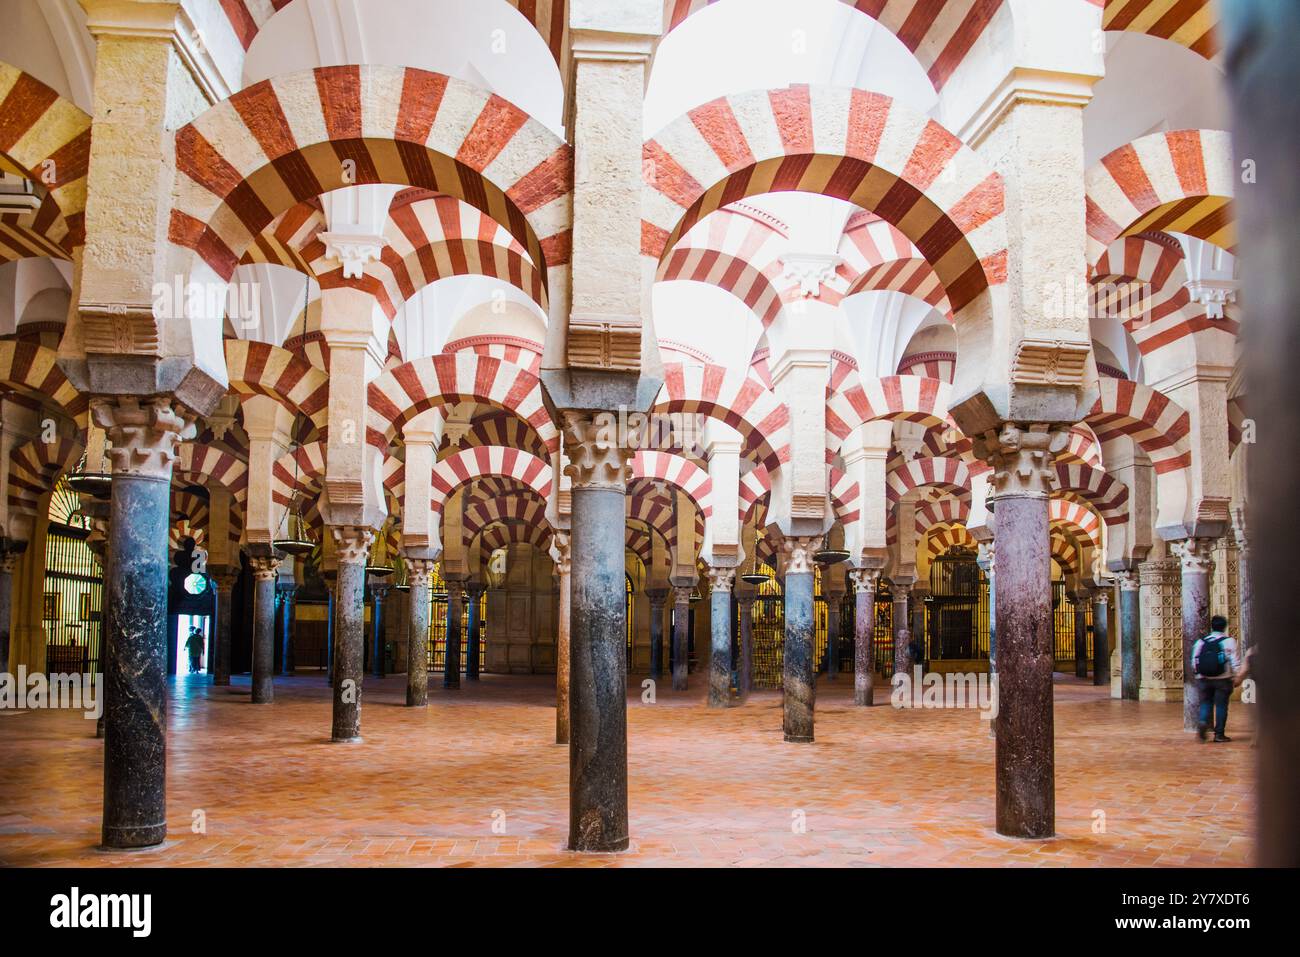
(437, 643)
(73, 601)
(957, 622)
(767, 632)
(1063, 606)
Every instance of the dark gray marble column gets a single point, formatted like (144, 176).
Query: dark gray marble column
(799, 689)
(1130, 634)
(1022, 460)
(745, 669)
(902, 588)
(833, 600)
(144, 436)
(286, 594)
(1196, 560)
(378, 592)
(598, 628)
(472, 640)
(657, 598)
(864, 632)
(418, 571)
(721, 581)
(451, 660)
(223, 634)
(8, 560)
(265, 574)
(1101, 636)
(1080, 634)
(681, 635)
(353, 549)
(563, 651)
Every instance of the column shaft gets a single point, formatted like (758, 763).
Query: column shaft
(1196, 561)
(472, 640)
(1130, 636)
(832, 632)
(745, 670)
(417, 639)
(349, 631)
(864, 631)
(451, 660)
(560, 554)
(264, 578)
(1080, 637)
(681, 637)
(657, 635)
(720, 581)
(224, 633)
(1101, 638)
(902, 633)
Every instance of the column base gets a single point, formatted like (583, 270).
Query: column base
(133, 838)
(353, 740)
(799, 739)
(614, 847)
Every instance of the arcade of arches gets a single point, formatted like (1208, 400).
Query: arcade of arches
(474, 355)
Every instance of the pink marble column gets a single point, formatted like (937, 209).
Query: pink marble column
(1196, 560)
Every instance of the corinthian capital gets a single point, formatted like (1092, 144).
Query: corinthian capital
(560, 551)
(864, 579)
(597, 459)
(265, 567)
(352, 543)
(145, 433)
(1194, 554)
(721, 579)
(1022, 457)
(798, 551)
(419, 571)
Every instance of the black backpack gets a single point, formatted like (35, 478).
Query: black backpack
(1210, 660)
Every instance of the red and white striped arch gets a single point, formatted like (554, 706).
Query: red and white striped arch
(679, 472)
(32, 369)
(1082, 447)
(1107, 495)
(521, 352)
(286, 140)
(204, 463)
(409, 389)
(941, 365)
(906, 397)
(1062, 550)
(524, 506)
(757, 287)
(939, 33)
(1180, 181)
(455, 470)
(1079, 519)
(47, 139)
(299, 472)
(34, 235)
(732, 397)
(944, 539)
(35, 467)
(846, 497)
(946, 511)
(754, 485)
(1153, 420)
(259, 368)
(289, 240)
(857, 146)
(1191, 23)
(950, 475)
(512, 533)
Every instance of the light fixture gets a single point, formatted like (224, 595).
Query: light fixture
(754, 576)
(96, 484)
(379, 564)
(830, 556)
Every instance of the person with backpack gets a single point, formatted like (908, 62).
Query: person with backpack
(1215, 662)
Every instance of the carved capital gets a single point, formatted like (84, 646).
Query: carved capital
(9, 561)
(352, 543)
(145, 433)
(1129, 579)
(1194, 555)
(798, 551)
(266, 568)
(419, 571)
(864, 579)
(900, 590)
(595, 458)
(657, 597)
(1022, 457)
(682, 594)
(560, 552)
(985, 557)
(225, 580)
(721, 579)
(352, 251)
(1101, 596)
(1239, 533)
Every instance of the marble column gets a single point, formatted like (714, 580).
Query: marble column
(1130, 634)
(418, 571)
(473, 593)
(1100, 636)
(286, 594)
(1080, 634)
(864, 632)
(331, 591)
(144, 435)
(657, 598)
(560, 555)
(799, 690)
(451, 660)
(378, 592)
(1023, 472)
(833, 600)
(1245, 597)
(8, 560)
(681, 635)
(352, 550)
(721, 581)
(1196, 561)
(266, 571)
(985, 562)
(223, 635)
(745, 669)
(599, 470)
(902, 631)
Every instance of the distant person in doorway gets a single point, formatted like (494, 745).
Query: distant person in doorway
(1216, 663)
(194, 646)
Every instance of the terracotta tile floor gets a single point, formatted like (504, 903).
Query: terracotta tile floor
(880, 787)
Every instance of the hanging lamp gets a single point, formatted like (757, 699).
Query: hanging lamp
(97, 484)
(380, 564)
(754, 576)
